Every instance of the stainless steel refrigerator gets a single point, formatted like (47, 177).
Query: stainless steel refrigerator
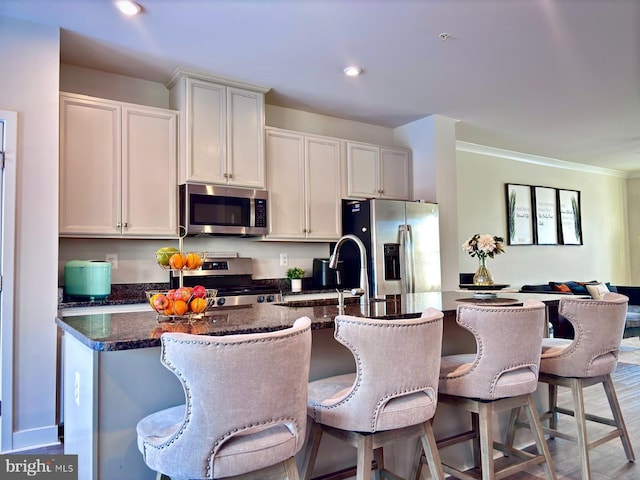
(402, 241)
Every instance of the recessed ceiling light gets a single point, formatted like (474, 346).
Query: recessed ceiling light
(128, 7)
(444, 36)
(352, 71)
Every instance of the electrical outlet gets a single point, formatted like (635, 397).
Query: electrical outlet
(284, 259)
(76, 389)
(112, 258)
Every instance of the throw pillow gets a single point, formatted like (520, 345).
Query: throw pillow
(578, 288)
(560, 287)
(597, 291)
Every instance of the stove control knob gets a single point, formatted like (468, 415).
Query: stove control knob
(221, 301)
(270, 298)
(261, 299)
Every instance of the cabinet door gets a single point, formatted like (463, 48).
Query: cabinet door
(285, 160)
(206, 132)
(363, 170)
(89, 167)
(322, 167)
(395, 167)
(149, 184)
(245, 138)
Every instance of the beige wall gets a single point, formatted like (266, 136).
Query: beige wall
(481, 209)
(633, 195)
(29, 86)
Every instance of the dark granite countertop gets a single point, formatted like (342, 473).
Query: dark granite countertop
(123, 331)
(134, 293)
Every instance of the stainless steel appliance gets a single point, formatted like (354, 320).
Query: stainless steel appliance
(402, 242)
(218, 210)
(324, 276)
(233, 277)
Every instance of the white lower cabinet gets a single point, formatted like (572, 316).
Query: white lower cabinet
(118, 168)
(304, 183)
(377, 172)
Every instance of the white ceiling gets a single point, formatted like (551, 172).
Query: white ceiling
(554, 78)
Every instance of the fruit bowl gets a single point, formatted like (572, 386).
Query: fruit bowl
(183, 302)
(173, 259)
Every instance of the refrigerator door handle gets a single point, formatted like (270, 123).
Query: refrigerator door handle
(406, 259)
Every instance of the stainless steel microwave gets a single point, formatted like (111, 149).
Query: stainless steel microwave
(207, 209)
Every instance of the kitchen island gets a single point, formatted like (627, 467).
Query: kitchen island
(113, 377)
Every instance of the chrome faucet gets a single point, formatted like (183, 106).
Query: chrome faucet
(364, 277)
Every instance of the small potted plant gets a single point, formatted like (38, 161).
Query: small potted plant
(295, 274)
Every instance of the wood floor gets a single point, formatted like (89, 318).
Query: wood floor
(608, 461)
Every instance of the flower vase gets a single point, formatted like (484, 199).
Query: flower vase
(483, 275)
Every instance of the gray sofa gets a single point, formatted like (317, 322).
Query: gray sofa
(563, 329)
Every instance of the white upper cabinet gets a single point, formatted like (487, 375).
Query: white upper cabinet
(304, 186)
(221, 130)
(377, 172)
(117, 169)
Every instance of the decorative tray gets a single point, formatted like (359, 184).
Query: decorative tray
(495, 286)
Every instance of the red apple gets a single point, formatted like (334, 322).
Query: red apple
(160, 302)
(199, 291)
(183, 293)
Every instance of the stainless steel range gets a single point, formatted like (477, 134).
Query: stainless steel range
(232, 277)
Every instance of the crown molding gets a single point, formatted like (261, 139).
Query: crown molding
(539, 160)
(231, 82)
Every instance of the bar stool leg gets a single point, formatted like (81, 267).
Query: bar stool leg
(365, 457)
(581, 424)
(475, 443)
(511, 433)
(311, 452)
(553, 403)
(430, 448)
(617, 416)
(485, 412)
(536, 429)
(378, 456)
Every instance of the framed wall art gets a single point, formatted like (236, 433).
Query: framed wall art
(545, 214)
(519, 214)
(570, 217)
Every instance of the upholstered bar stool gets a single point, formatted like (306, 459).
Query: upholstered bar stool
(245, 411)
(500, 376)
(587, 359)
(392, 395)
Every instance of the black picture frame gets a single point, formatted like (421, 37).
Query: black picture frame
(545, 208)
(570, 217)
(520, 229)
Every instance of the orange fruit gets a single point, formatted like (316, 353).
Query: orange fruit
(180, 307)
(168, 309)
(177, 261)
(193, 261)
(198, 305)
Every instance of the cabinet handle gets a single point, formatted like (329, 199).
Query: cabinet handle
(126, 224)
(231, 175)
(118, 225)
(224, 175)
